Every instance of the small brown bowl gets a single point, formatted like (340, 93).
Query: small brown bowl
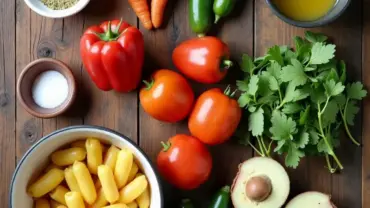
(25, 82)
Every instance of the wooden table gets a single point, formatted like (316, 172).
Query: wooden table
(26, 36)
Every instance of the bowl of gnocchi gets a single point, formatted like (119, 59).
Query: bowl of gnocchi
(85, 167)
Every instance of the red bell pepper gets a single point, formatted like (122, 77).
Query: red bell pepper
(113, 55)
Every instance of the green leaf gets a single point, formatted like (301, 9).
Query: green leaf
(314, 137)
(321, 54)
(283, 127)
(294, 73)
(291, 108)
(341, 101)
(256, 122)
(303, 139)
(247, 64)
(303, 116)
(251, 109)
(263, 84)
(280, 144)
(322, 147)
(293, 157)
(283, 49)
(244, 100)
(351, 112)
(356, 91)
(332, 88)
(299, 42)
(269, 99)
(309, 68)
(289, 54)
(332, 64)
(318, 96)
(274, 70)
(302, 93)
(273, 84)
(315, 37)
(275, 54)
(343, 70)
(322, 76)
(253, 85)
(290, 93)
(242, 85)
(333, 75)
(330, 114)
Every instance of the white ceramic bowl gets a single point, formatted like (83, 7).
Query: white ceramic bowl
(37, 157)
(38, 7)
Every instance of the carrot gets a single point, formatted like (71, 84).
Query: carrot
(158, 7)
(141, 9)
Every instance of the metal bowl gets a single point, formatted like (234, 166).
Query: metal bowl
(338, 9)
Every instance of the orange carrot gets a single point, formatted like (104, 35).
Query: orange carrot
(158, 7)
(141, 9)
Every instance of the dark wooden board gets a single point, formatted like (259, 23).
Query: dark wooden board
(26, 36)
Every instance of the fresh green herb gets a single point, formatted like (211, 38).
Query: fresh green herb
(59, 4)
(298, 101)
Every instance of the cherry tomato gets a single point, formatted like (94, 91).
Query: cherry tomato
(205, 59)
(168, 97)
(185, 162)
(215, 117)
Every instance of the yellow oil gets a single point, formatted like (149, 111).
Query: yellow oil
(305, 10)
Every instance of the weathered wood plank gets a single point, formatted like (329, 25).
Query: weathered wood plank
(311, 175)
(159, 46)
(7, 97)
(109, 109)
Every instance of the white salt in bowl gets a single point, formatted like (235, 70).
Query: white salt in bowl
(37, 157)
(38, 7)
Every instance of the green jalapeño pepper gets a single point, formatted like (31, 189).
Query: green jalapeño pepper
(186, 203)
(222, 8)
(222, 198)
(200, 16)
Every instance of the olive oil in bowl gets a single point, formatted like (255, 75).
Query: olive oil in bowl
(304, 10)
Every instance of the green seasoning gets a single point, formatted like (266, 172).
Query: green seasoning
(59, 4)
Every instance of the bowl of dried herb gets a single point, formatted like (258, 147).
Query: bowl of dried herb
(56, 8)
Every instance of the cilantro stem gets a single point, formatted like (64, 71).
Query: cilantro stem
(255, 149)
(343, 114)
(281, 98)
(326, 104)
(331, 169)
(331, 152)
(264, 147)
(261, 147)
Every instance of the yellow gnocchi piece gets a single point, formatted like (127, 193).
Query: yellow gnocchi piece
(133, 190)
(94, 154)
(46, 183)
(85, 182)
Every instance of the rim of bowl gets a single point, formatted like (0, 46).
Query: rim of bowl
(68, 12)
(67, 103)
(45, 138)
(315, 23)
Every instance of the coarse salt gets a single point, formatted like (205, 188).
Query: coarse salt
(50, 89)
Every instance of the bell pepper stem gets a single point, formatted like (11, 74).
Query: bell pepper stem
(148, 85)
(118, 26)
(109, 33)
(217, 18)
(166, 146)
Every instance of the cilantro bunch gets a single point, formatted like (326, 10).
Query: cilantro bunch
(296, 100)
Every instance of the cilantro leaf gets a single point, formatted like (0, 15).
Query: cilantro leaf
(269, 99)
(244, 100)
(333, 75)
(242, 85)
(302, 93)
(293, 157)
(283, 127)
(247, 64)
(343, 70)
(356, 91)
(256, 122)
(273, 83)
(290, 93)
(321, 54)
(322, 147)
(263, 84)
(303, 116)
(303, 139)
(350, 112)
(299, 42)
(315, 37)
(275, 54)
(330, 114)
(294, 73)
(341, 101)
(291, 108)
(332, 88)
(289, 54)
(318, 95)
(281, 143)
(274, 70)
(314, 137)
(253, 85)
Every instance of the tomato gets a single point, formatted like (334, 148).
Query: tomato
(205, 59)
(168, 97)
(185, 162)
(215, 117)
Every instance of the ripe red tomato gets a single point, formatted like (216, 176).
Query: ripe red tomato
(205, 59)
(185, 162)
(168, 97)
(215, 117)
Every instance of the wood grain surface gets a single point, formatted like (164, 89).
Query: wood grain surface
(26, 36)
